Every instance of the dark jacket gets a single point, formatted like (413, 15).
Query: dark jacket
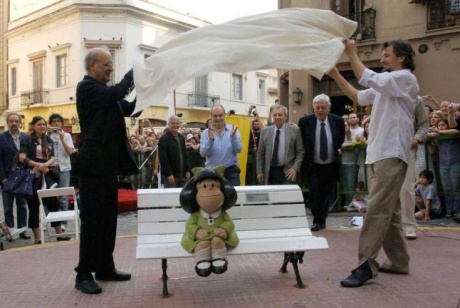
(29, 147)
(169, 155)
(104, 149)
(8, 151)
(307, 125)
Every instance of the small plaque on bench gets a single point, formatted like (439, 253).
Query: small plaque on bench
(257, 197)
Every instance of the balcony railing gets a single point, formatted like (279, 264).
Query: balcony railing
(202, 99)
(443, 14)
(34, 97)
(366, 23)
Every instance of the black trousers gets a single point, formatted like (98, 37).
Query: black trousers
(98, 214)
(276, 176)
(322, 181)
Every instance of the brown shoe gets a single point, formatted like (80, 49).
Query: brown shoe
(6, 231)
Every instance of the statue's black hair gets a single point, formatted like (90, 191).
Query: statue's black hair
(188, 193)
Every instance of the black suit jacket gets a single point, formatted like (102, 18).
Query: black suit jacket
(8, 151)
(307, 125)
(104, 149)
(169, 155)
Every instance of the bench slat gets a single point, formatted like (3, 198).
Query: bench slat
(240, 225)
(243, 235)
(298, 243)
(246, 212)
(167, 197)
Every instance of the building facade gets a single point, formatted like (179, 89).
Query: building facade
(48, 39)
(431, 26)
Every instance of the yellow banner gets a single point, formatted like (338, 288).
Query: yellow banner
(244, 126)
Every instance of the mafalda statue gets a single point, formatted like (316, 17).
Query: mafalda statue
(209, 229)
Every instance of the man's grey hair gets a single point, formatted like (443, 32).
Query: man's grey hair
(173, 117)
(13, 114)
(282, 108)
(322, 98)
(93, 54)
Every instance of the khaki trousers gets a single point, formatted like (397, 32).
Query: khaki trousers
(407, 195)
(382, 224)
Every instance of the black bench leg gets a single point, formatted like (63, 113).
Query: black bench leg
(164, 277)
(297, 257)
(294, 258)
(283, 268)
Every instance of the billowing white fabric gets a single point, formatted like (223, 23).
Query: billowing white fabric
(301, 39)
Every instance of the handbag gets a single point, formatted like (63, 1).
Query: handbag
(25, 188)
(20, 180)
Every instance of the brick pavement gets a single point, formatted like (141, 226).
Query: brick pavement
(42, 275)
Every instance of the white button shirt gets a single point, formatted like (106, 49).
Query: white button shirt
(393, 95)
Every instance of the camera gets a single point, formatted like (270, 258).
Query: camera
(455, 105)
(55, 129)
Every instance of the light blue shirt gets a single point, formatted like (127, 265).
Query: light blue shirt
(223, 150)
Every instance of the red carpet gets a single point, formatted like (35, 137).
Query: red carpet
(127, 200)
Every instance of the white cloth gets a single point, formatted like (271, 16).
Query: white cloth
(300, 39)
(392, 95)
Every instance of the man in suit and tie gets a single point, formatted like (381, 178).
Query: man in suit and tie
(9, 145)
(323, 134)
(280, 152)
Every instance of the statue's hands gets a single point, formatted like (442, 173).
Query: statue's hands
(201, 234)
(222, 233)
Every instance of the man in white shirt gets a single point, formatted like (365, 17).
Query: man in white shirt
(63, 148)
(355, 129)
(393, 94)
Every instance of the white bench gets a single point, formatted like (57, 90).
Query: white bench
(267, 219)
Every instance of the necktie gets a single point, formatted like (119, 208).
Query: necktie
(276, 146)
(322, 143)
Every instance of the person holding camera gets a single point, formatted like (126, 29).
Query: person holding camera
(256, 127)
(63, 148)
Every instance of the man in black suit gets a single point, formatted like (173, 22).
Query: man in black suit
(9, 146)
(174, 162)
(104, 154)
(322, 143)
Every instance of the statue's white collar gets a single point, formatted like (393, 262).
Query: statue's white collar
(211, 217)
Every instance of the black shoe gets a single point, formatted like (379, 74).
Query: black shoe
(86, 284)
(65, 238)
(113, 275)
(317, 227)
(24, 236)
(219, 269)
(358, 277)
(203, 272)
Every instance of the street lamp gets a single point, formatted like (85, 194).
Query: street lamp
(297, 96)
(74, 120)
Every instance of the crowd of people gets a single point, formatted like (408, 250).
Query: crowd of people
(320, 150)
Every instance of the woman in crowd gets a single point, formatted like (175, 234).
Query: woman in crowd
(38, 154)
(449, 165)
(349, 166)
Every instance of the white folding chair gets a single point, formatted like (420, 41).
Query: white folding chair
(58, 216)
